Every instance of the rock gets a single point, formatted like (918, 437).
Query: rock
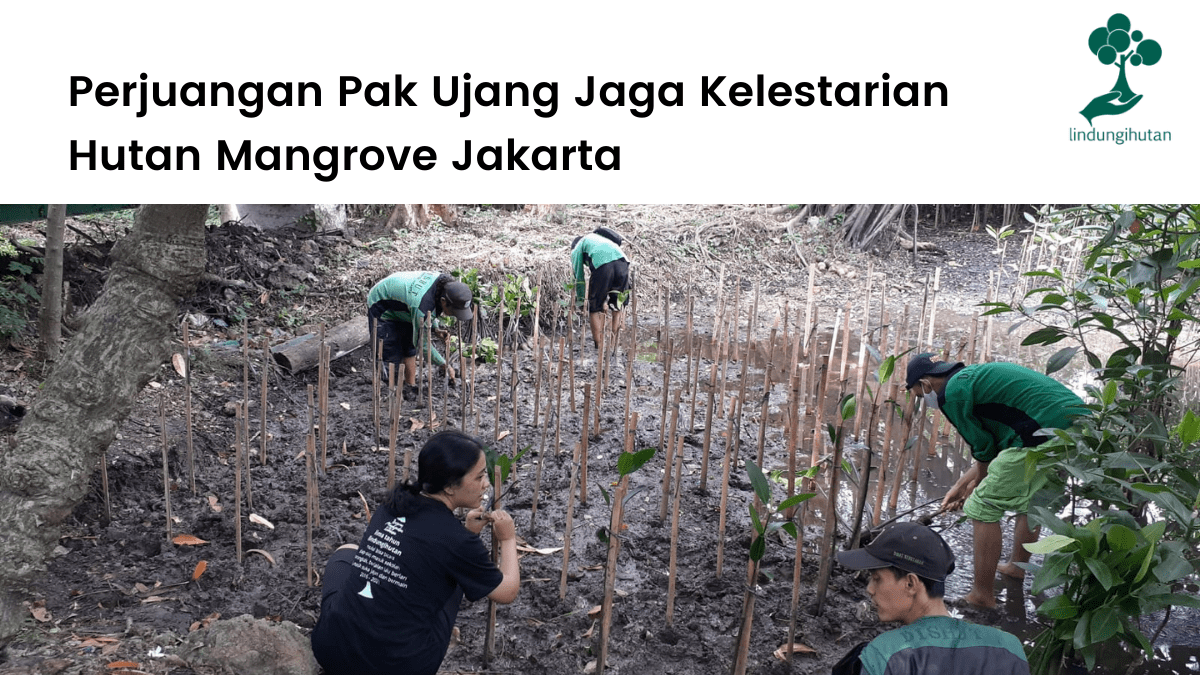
(248, 646)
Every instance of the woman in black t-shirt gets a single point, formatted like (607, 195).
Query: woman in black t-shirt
(389, 604)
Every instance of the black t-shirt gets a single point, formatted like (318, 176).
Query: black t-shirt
(396, 613)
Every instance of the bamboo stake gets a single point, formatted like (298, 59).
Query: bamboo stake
(810, 318)
(462, 374)
(377, 355)
(429, 367)
(245, 422)
(764, 413)
(669, 447)
(902, 459)
(730, 432)
(693, 361)
(862, 352)
(187, 405)
(323, 399)
(489, 640)
(262, 404)
(571, 357)
(537, 483)
(666, 389)
(831, 520)
(845, 344)
(795, 432)
(393, 419)
(737, 445)
(499, 375)
(674, 534)
(796, 567)
(708, 417)
(562, 347)
(310, 488)
(599, 388)
(630, 360)
(562, 583)
(162, 421)
(614, 549)
(737, 320)
(537, 346)
(237, 483)
(516, 383)
(727, 350)
(889, 417)
(104, 485)
(475, 330)
(583, 445)
(985, 354)
(937, 284)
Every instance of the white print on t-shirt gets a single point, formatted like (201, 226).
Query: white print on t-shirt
(376, 560)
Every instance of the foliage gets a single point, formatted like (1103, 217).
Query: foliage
(495, 458)
(1127, 469)
(17, 298)
(513, 291)
(485, 352)
(627, 463)
(772, 518)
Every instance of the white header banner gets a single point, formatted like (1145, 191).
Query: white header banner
(619, 102)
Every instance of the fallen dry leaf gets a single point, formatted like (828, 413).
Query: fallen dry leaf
(588, 634)
(345, 406)
(795, 648)
(39, 611)
(187, 540)
(539, 551)
(416, 424)
(204, 623)
(123, 664)
(154, 598)
(264, 554)
(214, 504)
(180, 365)
(259, 520)
(366, 508)
(200, 568)
(140, 587)
(594, 613)
(503, 435)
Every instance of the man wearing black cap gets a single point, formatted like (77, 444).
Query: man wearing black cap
(998, 409)
(909, 564)
(396, 306)
(600, 252)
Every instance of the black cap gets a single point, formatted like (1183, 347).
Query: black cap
(458, 295)
(921, 365)
(909, 546)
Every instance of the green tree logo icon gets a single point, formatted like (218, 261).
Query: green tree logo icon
(1111, 45)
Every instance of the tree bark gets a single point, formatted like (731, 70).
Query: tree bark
(91, 389)
(50, 321)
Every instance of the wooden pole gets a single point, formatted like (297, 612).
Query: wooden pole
(245, 421)
(862, 352)
(674, 534)
(562, 582)
(489, 640)
(810, 318)
(377, 349)
(513, 391)
(262, 404)
(537, 349)
(323, 398)
(537, 483)
(599, 388)
(187, 405)
(795, 432)
(889, 417)
(693, 356)
(429, 367)
(730, 432)
(583, 445)
(669, 447)
(835, 472)
(666, 389)
(614, 548)
(237, 482)
(162, 421)
(499, 374)
(394, 403)
(571, 357)
(562, 360)
(475, 330)
(708, 418)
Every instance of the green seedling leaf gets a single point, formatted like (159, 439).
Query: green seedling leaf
(1189, 428)
(1055, 572)
(1172, 568)
(795, 500)
(1043, 336)
(762, 488)
(1109, 395)
(1050, 544)
(757, 548)
(847, 467)
(1060, 359)
(790, 528)
(1154, 531)
(604, 493)
(848, 406)
(1105, 624)
(602, 535)
(758, 526)
(628, 462)
(886, 368)
(1121, 538)
(1059, 607)
(1082, 629)
(1101, 571)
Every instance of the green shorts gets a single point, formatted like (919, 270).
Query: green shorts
(1004, 489)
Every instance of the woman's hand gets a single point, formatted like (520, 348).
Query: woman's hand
(503, 528)
(476, 519)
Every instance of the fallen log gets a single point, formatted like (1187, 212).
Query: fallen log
(304, 352)
(907, 244)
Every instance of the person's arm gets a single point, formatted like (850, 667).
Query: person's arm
(965, 486)
(577, 268)
(505, 532)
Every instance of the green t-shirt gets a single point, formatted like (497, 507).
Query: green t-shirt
(941, 644)
(599, 250)
(410, 289)
(996, 406)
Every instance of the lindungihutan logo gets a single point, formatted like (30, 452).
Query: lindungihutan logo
(1117, 45)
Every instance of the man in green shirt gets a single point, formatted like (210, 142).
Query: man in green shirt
(998, 409)
(600, 252)
(398, 304)
(909, 564)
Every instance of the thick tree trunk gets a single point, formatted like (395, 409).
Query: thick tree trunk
(50, 321)
(124, 341)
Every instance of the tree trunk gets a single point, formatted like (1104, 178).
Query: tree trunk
(50, 320)
(91, 389)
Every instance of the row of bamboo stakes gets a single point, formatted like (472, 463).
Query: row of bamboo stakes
(808, 375)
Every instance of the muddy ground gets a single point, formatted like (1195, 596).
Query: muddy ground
(117, 587)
